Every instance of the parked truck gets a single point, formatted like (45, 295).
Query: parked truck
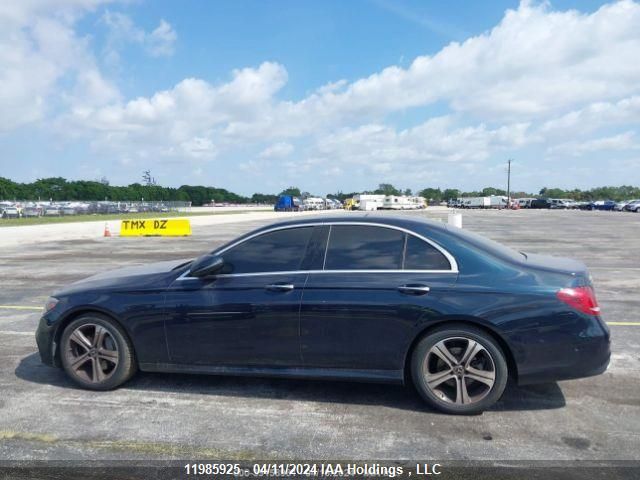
(497, 201)
(287, 203)
(351, 204)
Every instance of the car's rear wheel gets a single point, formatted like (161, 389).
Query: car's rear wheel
(96, 353)
(459, 370)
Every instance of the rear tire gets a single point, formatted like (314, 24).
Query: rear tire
(96, 353)
(459, 369)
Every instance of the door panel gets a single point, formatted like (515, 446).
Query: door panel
(362, 320)
(235, 320)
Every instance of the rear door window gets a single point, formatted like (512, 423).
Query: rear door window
(361, 247)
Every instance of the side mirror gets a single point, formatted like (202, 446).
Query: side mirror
(206, 265)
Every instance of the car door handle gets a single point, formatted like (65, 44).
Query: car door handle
(280, 287)
(413, 289)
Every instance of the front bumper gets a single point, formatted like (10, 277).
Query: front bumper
(45, 339)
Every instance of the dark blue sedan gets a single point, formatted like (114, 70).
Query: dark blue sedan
(382, 299)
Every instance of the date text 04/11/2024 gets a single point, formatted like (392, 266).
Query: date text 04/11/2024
(312, 469)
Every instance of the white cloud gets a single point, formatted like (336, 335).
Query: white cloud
(382, 148)
(277, 150)
(190, 119)
(623, 141)
(38, 49)
(557, 81)
(122, 30)
(594, 116)
(161, 41)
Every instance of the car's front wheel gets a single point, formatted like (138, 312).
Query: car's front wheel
(459, 369)
(96, 353)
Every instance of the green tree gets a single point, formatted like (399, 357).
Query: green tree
(295, 191)
(387, 189)
(432, 194)
(450, 194)
(488, 191)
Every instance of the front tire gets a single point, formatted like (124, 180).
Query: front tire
(96, 353)
(459, 369)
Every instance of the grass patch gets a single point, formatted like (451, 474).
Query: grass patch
(99, 217)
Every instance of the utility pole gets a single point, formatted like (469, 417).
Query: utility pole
(509, 183)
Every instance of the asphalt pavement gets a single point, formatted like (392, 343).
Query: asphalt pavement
(44, 416)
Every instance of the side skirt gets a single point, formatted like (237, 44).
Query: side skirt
(373, 376)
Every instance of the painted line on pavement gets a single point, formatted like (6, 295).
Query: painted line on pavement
(19, 307)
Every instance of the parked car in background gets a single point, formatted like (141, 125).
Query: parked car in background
(633, 206)
(562, 203)
(69, 210)
(540, 203)
(31, 212)
(525, 202)
(619, 206)
(52, 211)
(11, 212)
(599, 205)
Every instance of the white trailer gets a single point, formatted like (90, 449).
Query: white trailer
(378, 200)
(476, 202)
(498, 201)
(369, 205)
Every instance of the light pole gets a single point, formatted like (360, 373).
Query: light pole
(509, 183)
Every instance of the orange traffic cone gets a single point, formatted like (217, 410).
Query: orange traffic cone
(107, 232)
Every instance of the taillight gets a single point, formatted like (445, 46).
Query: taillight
(582, 299)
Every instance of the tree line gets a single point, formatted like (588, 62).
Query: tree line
(60, 189)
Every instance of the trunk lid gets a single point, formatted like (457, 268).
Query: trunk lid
(563, 265)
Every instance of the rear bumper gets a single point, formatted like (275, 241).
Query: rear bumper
(591, 358)
(560, 355)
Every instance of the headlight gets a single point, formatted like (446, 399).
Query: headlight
(51, 302)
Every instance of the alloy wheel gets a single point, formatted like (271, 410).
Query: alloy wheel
(459, 370)
(92, 353)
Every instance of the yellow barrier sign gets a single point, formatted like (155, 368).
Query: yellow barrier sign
(170, 227)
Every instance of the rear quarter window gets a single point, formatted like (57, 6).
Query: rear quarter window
(419, 255)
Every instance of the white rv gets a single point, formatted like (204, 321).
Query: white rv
(418, 202)
(402, 202)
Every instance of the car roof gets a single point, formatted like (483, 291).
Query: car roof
(410, 223)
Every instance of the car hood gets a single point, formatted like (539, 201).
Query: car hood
(151, 275)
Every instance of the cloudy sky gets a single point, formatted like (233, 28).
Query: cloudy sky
(325, 95)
